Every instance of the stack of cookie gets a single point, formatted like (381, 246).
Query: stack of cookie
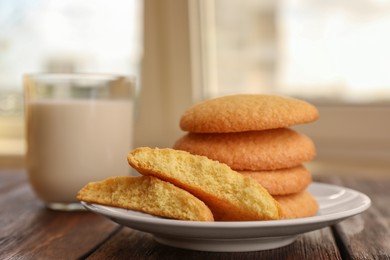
(252, 135)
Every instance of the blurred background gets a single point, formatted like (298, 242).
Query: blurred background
(334, 54)
(61, 36)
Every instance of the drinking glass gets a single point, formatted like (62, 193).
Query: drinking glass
(79, 129)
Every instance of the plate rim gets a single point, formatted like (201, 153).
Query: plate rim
(113, 212)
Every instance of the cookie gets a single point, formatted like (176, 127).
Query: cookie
(230, 195)
(253, 151)
(238, 113)
(299, 205)
(146, 194)
(282, 182)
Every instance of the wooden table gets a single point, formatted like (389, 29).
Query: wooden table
(30, 231)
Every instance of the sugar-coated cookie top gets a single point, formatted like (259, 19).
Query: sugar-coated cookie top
(246, 112)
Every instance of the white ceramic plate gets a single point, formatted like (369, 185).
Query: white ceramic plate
(336, 204)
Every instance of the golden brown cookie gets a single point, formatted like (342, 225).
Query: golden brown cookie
(230, 195)
(146, 194)
(253, 151)
(299, 205)
(282, 182)
(238, 113)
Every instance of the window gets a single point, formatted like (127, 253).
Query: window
(335, 49)
(333, 53)
(62, 36)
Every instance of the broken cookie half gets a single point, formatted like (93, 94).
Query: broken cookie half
(146, 194)
(229, 195)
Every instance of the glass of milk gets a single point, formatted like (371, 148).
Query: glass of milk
(79, 129)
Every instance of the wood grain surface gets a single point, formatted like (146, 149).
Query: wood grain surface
(30, 231)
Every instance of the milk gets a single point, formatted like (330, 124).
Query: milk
(73, 142)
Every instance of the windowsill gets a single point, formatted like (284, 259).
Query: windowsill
(340, 102)
(12, 152)
(12, 147)
(348, 168)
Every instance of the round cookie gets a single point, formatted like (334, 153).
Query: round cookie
(299, 205)
(238, 113)
(282, 182)
(253, 151)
